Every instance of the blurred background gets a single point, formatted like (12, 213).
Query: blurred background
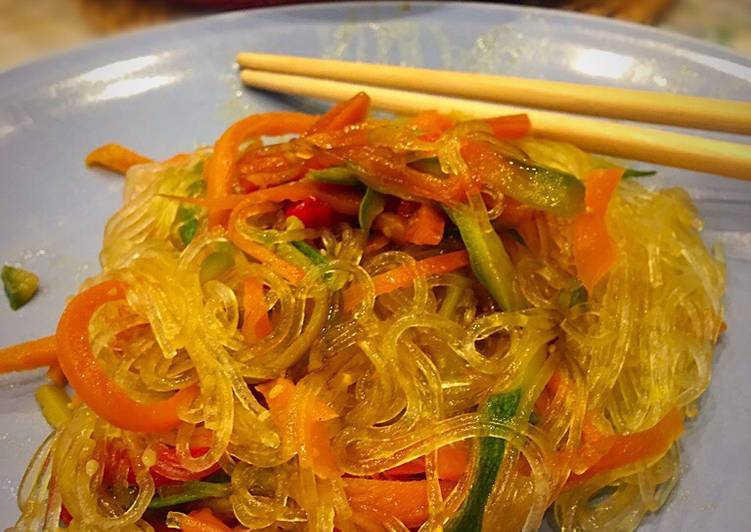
(31, 29)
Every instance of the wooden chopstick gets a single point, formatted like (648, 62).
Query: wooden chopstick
(599, 136)
(641, 106)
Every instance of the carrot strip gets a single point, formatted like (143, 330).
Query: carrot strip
(29, 355)
(93, 385)
(283, 397)
(259, 252)
(218, 171)
(425, 226)
(631, 448)
(452, 462)
(264, 255)
(177, 158)
(510, 127)
(595, 252)
(403, 276)
(432, 124)
(344, 200)
(404, 500)
(256, 323)
(344, 114)
(115, 157)
(56, 375)
(202, 520)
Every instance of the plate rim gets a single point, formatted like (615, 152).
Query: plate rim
(27, 70)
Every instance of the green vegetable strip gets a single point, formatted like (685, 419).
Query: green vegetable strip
(20, 286)
(54, 403)
(492, 266)
(499, 408)
(490, 262)
(544, 188)
(451, 300)
(215, 265)
(578, 295)
(188, 230)
(372, 205)
(192, 490)
(335, 175)
(310, 253)
(630, 173)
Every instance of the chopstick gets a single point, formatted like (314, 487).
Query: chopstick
(599, 136)
(641, 106)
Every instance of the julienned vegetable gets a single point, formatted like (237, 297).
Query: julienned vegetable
(499, 408)
(531, 184)
(348, 329)
(371, 206)
(490, 262)
(594, 251)
(55, 404)
(94, 386)
(19, 285)
(189, 491)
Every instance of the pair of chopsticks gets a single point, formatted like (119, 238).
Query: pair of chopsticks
(409, 90)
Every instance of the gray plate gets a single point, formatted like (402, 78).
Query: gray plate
(172, 88)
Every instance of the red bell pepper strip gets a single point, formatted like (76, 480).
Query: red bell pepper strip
(312, 212)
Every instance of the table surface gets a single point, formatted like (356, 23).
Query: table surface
(29, 30)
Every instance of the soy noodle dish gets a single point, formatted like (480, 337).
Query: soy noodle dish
(346, 323)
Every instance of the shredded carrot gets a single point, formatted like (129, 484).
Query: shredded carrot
(256, 323)
(514, 212)
(379, 169)
(288, 408)
(632, 448)
(202, 520)
(177, 158)
(258, 251)
(344, 114)
(56, 375)
(510, 127)
(218, 170)
(343, 199)
(452, 463)
(265, 256)
(403, 276)
(404, 500)
(29, 355)
(103, 395)
(425, 226)
(115, 157)
(432, 124)
(598, 436)
(392, 225)
(375, 244)
(594, 251)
